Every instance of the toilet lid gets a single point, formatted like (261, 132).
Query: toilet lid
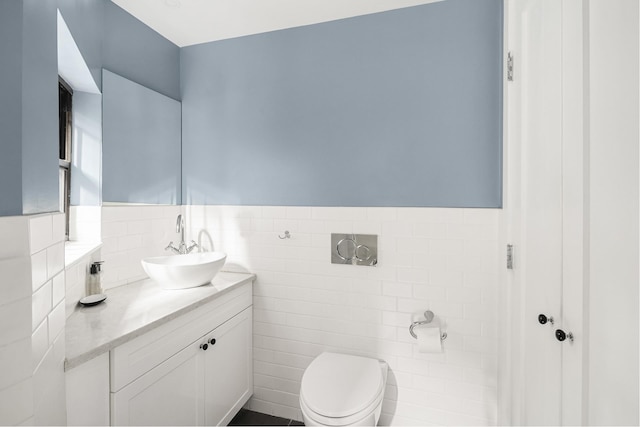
(339, 385)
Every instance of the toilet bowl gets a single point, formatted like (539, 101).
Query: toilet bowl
(343, 390)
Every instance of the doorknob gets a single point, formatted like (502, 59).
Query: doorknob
(544, 319)
(204, 346)
(561, 335)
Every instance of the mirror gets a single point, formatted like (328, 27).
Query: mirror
(141, 148)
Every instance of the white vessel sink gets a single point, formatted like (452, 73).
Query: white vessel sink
(184, 271)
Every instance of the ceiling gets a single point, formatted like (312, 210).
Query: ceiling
(188, 22)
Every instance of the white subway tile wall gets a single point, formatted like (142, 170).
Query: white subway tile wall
(445, 260)
(46, 237)
(16, 384)
(16, 403)
(130, 233)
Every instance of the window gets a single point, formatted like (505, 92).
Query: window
(65, 97)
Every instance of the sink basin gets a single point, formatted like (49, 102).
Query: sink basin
(184, 271)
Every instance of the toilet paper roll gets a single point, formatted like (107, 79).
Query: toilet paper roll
(429, 338)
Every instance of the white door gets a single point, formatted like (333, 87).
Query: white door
(544, 183)
(229, 369)
(169, 394)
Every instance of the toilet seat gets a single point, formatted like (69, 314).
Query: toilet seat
(340, 389)
(353, 419)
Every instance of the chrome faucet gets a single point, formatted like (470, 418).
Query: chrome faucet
(182, 247)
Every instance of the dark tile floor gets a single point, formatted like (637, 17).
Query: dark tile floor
(251, 418)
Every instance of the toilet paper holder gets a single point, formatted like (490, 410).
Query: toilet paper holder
(428, 316)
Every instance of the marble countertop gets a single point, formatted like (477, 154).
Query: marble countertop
(131, 310)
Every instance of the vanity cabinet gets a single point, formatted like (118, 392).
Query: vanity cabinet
(205, 383)
(196, 369)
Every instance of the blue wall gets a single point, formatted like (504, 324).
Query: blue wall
(39, 107)
(10, 107)
(107, 37)
(85, 19)
(136, 52)
(401, 108)
(29, 110)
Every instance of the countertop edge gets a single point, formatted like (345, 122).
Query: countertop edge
(77, 360)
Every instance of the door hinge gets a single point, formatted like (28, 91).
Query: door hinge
(509, 257)
(510, 66)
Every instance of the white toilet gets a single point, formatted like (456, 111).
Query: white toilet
(343, 390)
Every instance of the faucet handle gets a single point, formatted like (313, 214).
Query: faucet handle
(172, 248)
(192, 246)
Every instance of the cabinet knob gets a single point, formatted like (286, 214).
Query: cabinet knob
(561, 335)
(204, 346)
(212, 341)
(544, 319)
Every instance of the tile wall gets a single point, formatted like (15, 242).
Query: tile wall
(130, 233)
(445, 260)
(32, 312)
(16, 368)
(46, 237)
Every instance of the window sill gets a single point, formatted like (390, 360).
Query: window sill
(74, 251)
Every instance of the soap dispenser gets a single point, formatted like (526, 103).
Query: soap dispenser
(94, 285)
(95, 282)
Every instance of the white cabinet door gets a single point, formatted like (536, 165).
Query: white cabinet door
(536, 95)
(170, 394)
(544, 203)
(229, 369)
